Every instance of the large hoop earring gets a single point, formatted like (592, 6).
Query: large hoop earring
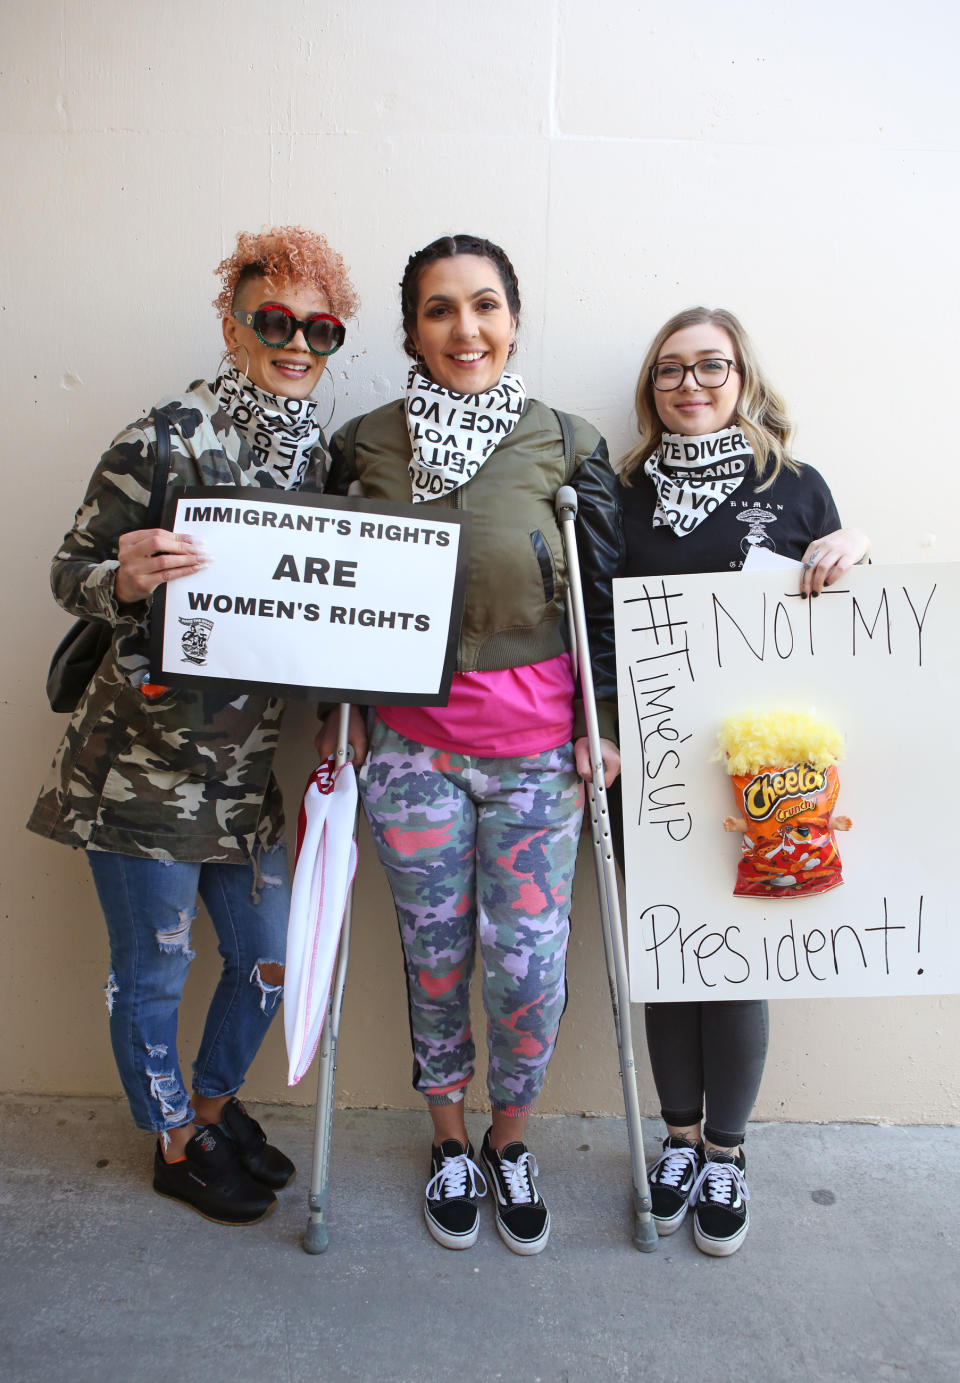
(333, 401)
(231, 354)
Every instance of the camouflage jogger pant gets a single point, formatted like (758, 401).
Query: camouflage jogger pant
(478, 847)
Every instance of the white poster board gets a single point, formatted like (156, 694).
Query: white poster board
(353, 599)
(877, 654)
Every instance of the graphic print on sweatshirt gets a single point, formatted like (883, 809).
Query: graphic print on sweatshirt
(758, 519)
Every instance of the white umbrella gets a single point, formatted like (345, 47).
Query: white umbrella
(326, 861)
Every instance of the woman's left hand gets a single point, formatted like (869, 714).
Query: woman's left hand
(827, 558)
(608, 752)
(326, 737)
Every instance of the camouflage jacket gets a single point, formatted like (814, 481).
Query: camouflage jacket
(187, 775)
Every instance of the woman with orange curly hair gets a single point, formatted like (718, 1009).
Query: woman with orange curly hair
(170, 791)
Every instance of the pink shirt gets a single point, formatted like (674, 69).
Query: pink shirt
(507, 714)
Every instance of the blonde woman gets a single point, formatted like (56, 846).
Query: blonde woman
(711, 477)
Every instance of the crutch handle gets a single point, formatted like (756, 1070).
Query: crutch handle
(566, 499)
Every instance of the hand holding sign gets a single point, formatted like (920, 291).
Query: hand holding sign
(149, 556)
(826, 559)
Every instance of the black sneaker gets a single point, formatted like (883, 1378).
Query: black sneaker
(671, 1179)
(719, 1198)
(264, 1162)
(456, 1184)
(523, 1221)
(211, 1181)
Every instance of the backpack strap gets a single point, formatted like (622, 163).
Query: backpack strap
(347, 446)
(161, 470)
(569, 447)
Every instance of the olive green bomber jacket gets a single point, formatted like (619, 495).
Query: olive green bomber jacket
(515, 605)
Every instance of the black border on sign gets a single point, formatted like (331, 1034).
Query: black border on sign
(315, 499)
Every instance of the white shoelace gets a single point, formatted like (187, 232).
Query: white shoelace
(452, 1179)
(674, 1163)
(719, 1180)
(517, 1176)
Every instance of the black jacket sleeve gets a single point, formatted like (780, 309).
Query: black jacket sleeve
(599, 546)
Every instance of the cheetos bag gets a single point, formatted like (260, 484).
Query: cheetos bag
(788, 846)
(783, 770)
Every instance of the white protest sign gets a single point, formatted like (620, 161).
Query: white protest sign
(877, 654)
(354, 599)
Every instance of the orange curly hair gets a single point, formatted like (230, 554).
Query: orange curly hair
(286, 254)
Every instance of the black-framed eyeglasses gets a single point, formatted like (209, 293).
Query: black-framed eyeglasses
(276, 325)
(709, 374)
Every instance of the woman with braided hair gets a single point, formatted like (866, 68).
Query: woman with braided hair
(475, 807)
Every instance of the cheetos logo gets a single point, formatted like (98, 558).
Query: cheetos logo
(764, 792)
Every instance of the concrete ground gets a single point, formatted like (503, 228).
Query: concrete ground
(849, 1272)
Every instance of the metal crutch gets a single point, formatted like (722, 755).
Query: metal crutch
(644, 1230)
(316, 1238)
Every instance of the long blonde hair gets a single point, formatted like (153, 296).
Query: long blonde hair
(760, 411)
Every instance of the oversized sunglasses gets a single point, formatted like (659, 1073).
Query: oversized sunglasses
(276, 325)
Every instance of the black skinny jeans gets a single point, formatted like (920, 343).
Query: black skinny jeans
(703, 1052)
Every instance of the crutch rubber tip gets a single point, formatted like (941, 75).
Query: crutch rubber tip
(645, 1233)
(315, 1238)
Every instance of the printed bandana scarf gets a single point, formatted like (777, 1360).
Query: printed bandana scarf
(453, 434)
(694, 475)
(280, 432)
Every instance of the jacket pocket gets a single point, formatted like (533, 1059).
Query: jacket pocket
(544, 558)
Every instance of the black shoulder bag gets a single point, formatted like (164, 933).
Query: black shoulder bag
(84, 646)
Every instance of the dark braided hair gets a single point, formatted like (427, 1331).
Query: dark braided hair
(445, 248)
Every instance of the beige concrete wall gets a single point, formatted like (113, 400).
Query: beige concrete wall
(796, 163)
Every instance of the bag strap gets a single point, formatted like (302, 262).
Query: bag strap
(569, 446)
(347, 446)
(161, 470)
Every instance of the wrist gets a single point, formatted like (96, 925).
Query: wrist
(123, 589)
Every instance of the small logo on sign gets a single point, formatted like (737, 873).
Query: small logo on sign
(195, 639)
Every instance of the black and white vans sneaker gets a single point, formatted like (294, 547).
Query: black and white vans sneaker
(523, 1221)
(719, 1198)
(671, 1178)
(455, 1186)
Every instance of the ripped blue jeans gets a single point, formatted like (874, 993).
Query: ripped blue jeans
(149, 906)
